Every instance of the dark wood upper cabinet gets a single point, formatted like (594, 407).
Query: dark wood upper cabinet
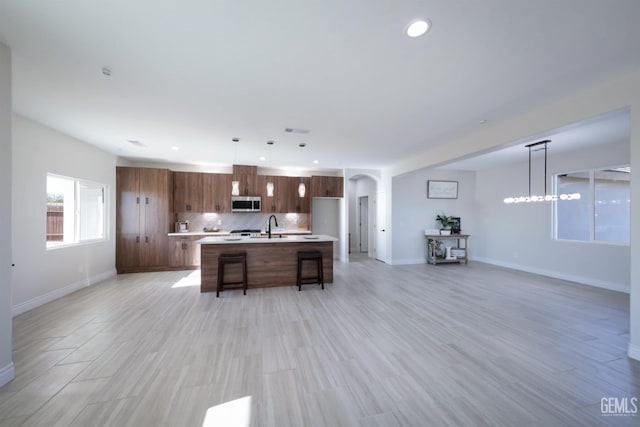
(327, 186)
(247, 176)
(217, 192)
(295, 202)
(188, 191)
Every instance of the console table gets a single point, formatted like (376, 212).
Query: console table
(459, 252)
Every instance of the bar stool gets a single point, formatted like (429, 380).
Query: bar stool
(227, 259)
(312, 256)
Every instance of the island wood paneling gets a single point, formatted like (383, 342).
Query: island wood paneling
(268, 264)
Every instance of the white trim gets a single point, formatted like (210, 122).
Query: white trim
(58, 293)
(7, 374)
(620, 287)
(634, 351)
(409, 261)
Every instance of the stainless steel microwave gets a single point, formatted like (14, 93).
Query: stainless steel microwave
(246, 204)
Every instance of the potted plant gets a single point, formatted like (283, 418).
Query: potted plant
(446, 222)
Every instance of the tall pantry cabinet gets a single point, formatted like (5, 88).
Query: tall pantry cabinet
(143, 209)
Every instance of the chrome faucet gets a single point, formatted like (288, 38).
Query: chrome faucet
(275, 220)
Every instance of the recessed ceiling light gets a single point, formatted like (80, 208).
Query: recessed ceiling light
(235, 139)
(106, 71)
(483, 121)
(175, 148)
(418, 27)
(302, 145)
(262, 159)
(270, 142)
(316, 162)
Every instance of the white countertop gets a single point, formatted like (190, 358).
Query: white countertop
(201, 233)
(226, 233)
(222, 240)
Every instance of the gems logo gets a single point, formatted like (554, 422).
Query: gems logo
(614, 406)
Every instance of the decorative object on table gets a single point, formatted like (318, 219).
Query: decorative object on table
(442, 189)
(455, 227)
(447, 249)
(458, 252)
(448, 254)
(435, 248)
(446, 222)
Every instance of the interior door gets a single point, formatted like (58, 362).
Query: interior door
(380, 227)
(363, 222)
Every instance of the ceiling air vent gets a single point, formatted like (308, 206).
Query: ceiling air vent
(297, 130)
(136, 143)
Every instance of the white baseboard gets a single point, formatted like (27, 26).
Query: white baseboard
(7, 373)
(634, 351)
(620, 287)
(58, 293)
(409, 261)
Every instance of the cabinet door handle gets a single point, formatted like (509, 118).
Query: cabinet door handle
(146, 200)
(188, 207)
(137, 239)
(137, 200)
(146, 239)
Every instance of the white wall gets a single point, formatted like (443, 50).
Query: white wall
(413, 212)
(634, 342)
(326, 220)
(360, 187)
(6, 365)
(618, 92)
(352, 201)
(41, 275)
(520, 235)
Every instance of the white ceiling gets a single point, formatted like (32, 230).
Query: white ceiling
(605, 129)
(197, 73)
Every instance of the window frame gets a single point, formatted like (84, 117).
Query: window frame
(592, 207)
(77, 240)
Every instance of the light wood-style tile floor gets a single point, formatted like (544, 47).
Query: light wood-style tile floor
(410, 345)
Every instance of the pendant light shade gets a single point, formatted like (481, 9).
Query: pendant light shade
(302, 189)
(270, 183)
(235, 185)
(547, 197)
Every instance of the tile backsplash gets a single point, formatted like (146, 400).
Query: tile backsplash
(235, 221)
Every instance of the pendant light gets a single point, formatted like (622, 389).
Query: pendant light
(235, 185)
(270, 183)
(302, 189)
(546, 197)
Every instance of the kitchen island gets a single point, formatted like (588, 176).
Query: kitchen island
(270, 262)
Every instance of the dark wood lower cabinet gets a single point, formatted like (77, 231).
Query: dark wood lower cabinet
(184, 252)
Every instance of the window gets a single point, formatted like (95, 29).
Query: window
(75, 211)
(602, 214)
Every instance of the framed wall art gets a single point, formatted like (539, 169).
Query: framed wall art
(442, 189)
